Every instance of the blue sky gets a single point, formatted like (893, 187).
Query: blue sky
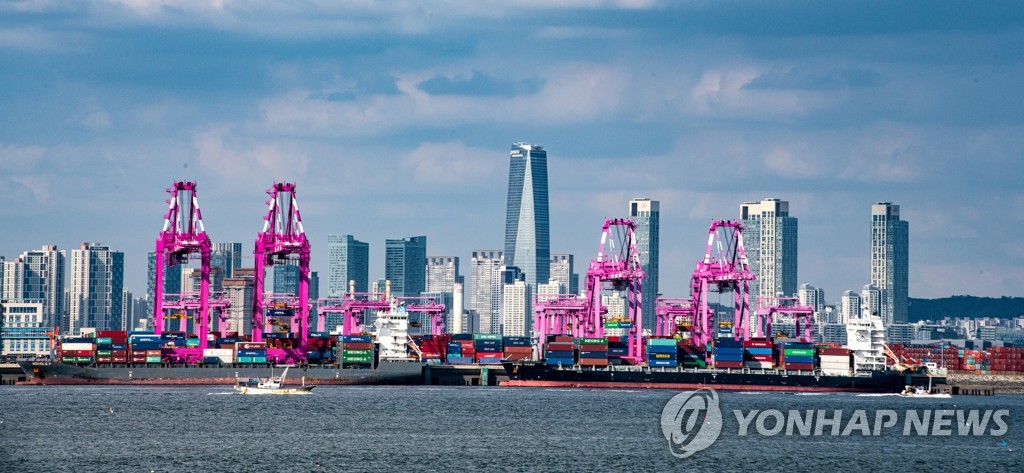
(395, 119)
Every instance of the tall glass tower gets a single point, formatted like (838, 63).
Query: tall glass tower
(527, 232)
(890, 240)
(770, 240)
(348, 259)
(646, 213)
(405, 265)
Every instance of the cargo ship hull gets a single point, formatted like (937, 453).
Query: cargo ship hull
(386, 373)
(542, 375)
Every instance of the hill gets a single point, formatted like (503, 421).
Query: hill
(966, 306)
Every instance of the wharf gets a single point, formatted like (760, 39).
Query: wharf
(464, 375)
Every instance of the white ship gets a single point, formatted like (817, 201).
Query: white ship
(392, 331)
(271, 385)
(865, 337)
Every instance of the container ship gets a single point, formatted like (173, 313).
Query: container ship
(725, 364)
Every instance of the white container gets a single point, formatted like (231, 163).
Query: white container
(77, 346)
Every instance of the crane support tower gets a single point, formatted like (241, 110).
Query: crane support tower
(724, 268)
(557, 314)
(671, 314)
(616, 268)
(429, 307)
(803, 316)
(183, 235)
(281, 239)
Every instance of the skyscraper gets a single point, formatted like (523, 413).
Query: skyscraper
(527, 233)
(502, 278)
(770, 240)
(563, 271)
(890, 241)
(872, 298)
(405, 265)
(812, 296)
(646, 213)
(442, 276)
(37, 275)
(97, 280)
(172, 281)
(849, 307)
(226, 256)
(516, 309)
(239, 290)
(348, 259)
(286, 278)
(483, 266)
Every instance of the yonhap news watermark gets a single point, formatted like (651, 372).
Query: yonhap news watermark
(693, 421)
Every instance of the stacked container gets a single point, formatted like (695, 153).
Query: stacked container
(432, 347)
(144, 348)
(834, 361)
(662, 352)
(757, 354)
(517, 349)
(560, 350)
(355, 350)
(461, 350)
(219, 356)
(728, 353)
(618, 349)
(79, 350)
(691, 356)
(1007, 359)
(318, 348)
(488, 348)
(593, 352)
(796, 356)
(251, 352)
(112, 347)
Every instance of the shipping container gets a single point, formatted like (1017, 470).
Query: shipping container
(487, 336)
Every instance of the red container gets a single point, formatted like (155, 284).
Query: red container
(250, 346)
(764, 358)
(562, 347)
(138, 359)
(728, 364)
(798, 366)
(517, 356)
(117, 353)
(518, 350)
(591, 348)
(356, 346)
(120, 359)
(153, 353)
(104, 359)
(833, 352)
(755, 343)
(593, 362)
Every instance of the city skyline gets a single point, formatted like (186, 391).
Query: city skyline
(405, 130)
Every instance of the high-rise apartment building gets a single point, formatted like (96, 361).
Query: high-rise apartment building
(849, 307)
(549, 290)
(348, 259)
(770, 240)
(872, 298)
(97, 280)
(442, 276)
(240, 290)
(405, 265)
(563, 271)
(227, 256)
(483, 267)
(890, 241)
(527, 231)
(646, 214)
(516, 310)
(37, 275)
(172, 281)
(812, 296)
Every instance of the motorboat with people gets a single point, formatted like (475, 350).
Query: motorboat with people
(271, 385)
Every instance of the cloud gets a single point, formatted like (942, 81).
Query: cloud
(802, 78)
(453, 163)
(15, 159)
(478, 84)
(262, 161)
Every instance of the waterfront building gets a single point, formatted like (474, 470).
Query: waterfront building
(97, 279)
(23, 327)
(483, 266)
(36, 275)
(770, 240)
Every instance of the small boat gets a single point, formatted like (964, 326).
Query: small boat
(271, 385)
(921, 391)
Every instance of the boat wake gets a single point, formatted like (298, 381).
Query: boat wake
(878, 395)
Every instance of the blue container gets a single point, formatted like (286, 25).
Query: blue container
(662, 349)
(104, 346)
(595, 355)
(797, 345)
(118, 346)
(758, 351)
(728, 357)
(728, 351)
(319, 335)
(490, 360)
(462, 336)
(173, 336)
(663, 363)
(620, 351)
(517, 342)
(252, 352)
(559, 354)
(280, 312)
(560, 361)
(799, 359)
(728, 343)
(487, 343)
(460, 360)
(142, 338)
(212, 360)
(357, 338)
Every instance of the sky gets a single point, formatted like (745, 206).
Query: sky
(396, 118)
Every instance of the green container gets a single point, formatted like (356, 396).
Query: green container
(357, 352)
(355, 359)
(661, 342)
(192, 342)
(259, 359)
(596, 341)
(487, 336)
(612, 325)
(106, 340)
(85, 359)
(69, 359)
(103, 353)
(152, 359)
(799, 352)
(245, 359)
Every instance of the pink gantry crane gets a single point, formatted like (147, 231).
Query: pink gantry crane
(281, 239)
(803, 316)
(725, 267)
(183, 235)
(616, 268)
(429, 307)
(351, 306)
(190, 302)
(557, 314)
(671, 313)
